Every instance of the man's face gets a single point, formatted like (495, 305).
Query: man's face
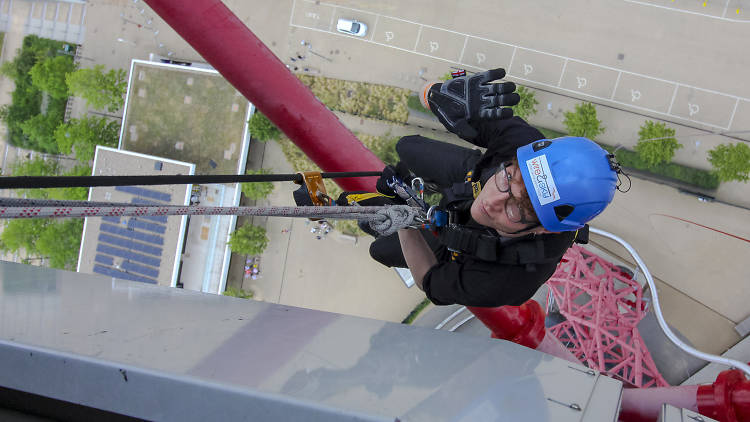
(495, 209)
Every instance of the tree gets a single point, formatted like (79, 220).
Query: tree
(49, 75)
(83, 135)
(731, 162)
(70, 194)
(40, 130)
(101, 90)
(583, 121)
(261, 128)
(22, 233)
(60, 241)
(36, 167)
(248, 240)
(527, 106)
(656, 144)
(257, 190)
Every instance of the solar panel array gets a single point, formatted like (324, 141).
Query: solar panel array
(130, 248)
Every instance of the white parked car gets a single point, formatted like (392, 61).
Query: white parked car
(352, 27)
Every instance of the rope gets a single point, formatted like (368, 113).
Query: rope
(34, 182)
(384, 219)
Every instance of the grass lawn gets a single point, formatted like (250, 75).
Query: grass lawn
(185, 115)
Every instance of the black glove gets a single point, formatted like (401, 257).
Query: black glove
(459, 102)
(389, 172)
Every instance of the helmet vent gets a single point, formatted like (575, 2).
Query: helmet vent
(562, 211)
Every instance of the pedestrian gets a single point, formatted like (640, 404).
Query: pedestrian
(516, 208)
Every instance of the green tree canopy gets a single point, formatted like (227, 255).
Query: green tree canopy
(35, 167)
(60, 241)
(41, 167)
(71, 194)
(527, 106)
(656, 144)
(49, 75)
(583, 121)
(257, 190)
(248, 240)
(83, 135)
(40, 129)
(99, 89)
(57, 240)
(731, 162)
(261, 128)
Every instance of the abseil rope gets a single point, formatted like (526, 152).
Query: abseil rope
(384, 219)
(35, 182)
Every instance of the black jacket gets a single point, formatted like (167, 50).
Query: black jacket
(470, 281)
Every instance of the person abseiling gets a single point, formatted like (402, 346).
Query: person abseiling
(515, 208)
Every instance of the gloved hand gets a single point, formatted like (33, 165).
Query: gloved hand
(389, 172)
(459, 102)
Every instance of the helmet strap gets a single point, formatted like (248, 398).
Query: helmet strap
(614, 165)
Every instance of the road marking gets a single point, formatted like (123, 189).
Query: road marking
(461, 56)
(374, 27)
(333, 14)
(617, 83)
(635, 95)
(582, 82)
(674, 95)
(481, 57)
(675, 9)
(693, 109)
(388, 36)
(565, 64)
(528, 68)
(434, 46)
(731, 119)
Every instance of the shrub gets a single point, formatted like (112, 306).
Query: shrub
(257, 190)
(242, 294)
(261, 128)
(731, 162)
(656, 144)
(527, 106)
(680, 173)
(416, 311)
(583, 121)
(248, 240)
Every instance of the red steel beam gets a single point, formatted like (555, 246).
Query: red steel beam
(232, 49)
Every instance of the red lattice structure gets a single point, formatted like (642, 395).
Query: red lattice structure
(602, 306)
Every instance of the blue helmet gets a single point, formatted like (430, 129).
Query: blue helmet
(570, 181)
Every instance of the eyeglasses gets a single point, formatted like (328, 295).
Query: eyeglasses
(513, 209)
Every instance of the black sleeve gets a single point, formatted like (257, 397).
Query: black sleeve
(484, 284)
(505, 136)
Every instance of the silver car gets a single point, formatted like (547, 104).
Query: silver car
(351, 27)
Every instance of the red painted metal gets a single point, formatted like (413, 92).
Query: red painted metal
(602, 308)
(727, 399)
(644, 404)
(232, 49)
(520, 324)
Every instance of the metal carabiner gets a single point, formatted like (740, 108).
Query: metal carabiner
(420, 189)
